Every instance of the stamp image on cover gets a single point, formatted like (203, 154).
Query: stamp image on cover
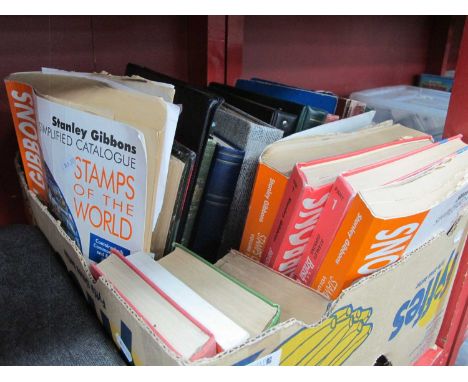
(60, 209)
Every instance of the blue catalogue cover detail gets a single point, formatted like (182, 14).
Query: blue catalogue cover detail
(100, 248)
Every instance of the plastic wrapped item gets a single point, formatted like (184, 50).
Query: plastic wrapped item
(418, 108)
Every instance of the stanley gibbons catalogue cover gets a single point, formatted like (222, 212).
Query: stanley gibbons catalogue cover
(96, 154)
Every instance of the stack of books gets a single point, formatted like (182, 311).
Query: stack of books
(227, 129)
(156, 180)
(197, 310)
(342, 217)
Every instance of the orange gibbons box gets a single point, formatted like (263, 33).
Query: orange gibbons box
(384, 223)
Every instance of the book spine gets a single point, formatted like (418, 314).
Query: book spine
(22, 105)
(209, 349)
(314, 117)
(299, 212)
(321, 238)
(265, 202)
(216, 201)
(311, 117)
(160, 233)
(198, 191)
(306, 97)
(180, 202)
(363, 245)
(217, 269)
(302, 120)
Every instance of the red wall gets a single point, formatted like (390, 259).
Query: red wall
(337, 53)
(457, 117)
(81, 43)
(341, 54)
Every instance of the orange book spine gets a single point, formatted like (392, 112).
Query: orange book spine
(265, 202)
(363, 245)
(21, 100)
(299, 212)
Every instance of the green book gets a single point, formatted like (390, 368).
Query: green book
(304, 116)
(310, 117)
(246, 307)
(198, 191)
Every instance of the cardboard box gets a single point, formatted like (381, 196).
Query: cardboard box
(396, 312)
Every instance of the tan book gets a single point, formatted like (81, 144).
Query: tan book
(247, 308)
(158, 241)
(172, 324)
(179, 175)
(277, 287)
(225, 331)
